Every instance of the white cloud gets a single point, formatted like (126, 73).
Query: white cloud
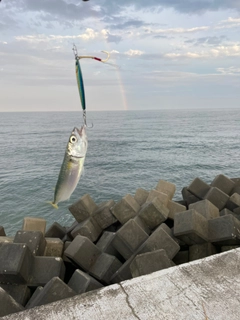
(229, 71)
(219, 51)
(228, 23)
(176, 30)
(224, 24)
(191, 55)
(89, 34)
(132, 52)
(232, 20)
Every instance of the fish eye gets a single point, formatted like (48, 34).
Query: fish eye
(73, 139)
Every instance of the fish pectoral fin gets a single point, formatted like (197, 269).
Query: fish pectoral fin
(53, 204)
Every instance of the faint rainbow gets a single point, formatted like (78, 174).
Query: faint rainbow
(121, 86)
(118, 73)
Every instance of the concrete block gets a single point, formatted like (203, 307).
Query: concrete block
(206, 209)
(166, 187)
(54, 247)
(231, 205)
(88, 228)
(56, 231)
(8, 304)
(54, 290)
(153, 213)
(223, 183)
(188, 197)
(149, 262)
(124, 272)
(169, 231)
(6, 239)
(65, 246)
(200, 251)
(236, 181)
(34, 224)
(237, 211)
(20, 293)
(129, 238)
(191, 227)
(224, 230)
(126, 209)
(103, 216)
(199, 188)
(2, 232)
(82, 282)
(163, 197)
(44, 269)
(105, 243)
(236, 189)
(142, 224)
(68, 236)
(160, 239)
(83, 252)
(70, 269)
(217, 197)
(104, 268)
(141, 196)
(174, 207)
(181, 257)
(33, 239)
(235, 198)
(15, 263)
(114, 227)
(31, 302)
(226, 211)
(83, 208)
(227, 248)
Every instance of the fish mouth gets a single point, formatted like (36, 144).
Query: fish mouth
(79, 131)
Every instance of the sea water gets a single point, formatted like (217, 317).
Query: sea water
(126, 150)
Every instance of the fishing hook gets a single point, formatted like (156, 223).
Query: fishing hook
(85, 120)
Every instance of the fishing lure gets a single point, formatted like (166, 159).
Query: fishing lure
(80, 77)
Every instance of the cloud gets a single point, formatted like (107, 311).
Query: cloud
(191, 55)
(113, 38)
(175, 30)
(89, 34)
(128, 24)
(210, 40)
(217, 52)
(132, 52)
(183, 6)
(61, 8)
(229, 71)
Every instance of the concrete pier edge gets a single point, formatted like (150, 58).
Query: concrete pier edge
(203, 289)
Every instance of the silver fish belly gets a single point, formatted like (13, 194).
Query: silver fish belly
(72, 166)
(68, 178)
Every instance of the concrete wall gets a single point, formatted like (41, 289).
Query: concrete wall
(203, 289)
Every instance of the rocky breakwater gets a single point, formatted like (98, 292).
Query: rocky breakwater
(112, 242)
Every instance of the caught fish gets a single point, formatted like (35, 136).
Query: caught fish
(72, 166)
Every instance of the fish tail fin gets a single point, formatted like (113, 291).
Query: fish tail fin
(53, 204)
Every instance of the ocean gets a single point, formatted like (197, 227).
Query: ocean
(126, 150)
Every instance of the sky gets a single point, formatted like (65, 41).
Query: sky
(164, 54)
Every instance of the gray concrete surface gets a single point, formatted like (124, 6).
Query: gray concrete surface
(200, 290)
